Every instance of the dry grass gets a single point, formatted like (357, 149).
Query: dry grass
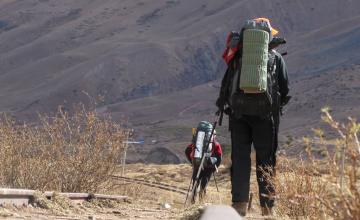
(133, 190)
(71, 152)
(322, 186)
(79, 152)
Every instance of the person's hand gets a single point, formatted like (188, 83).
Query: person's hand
(227, 111)
(285, 100)
(211, 161)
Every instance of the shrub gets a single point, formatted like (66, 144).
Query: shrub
(325, 185)
(70, 152)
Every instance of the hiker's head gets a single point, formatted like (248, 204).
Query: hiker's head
(214, 135)
(274, 32)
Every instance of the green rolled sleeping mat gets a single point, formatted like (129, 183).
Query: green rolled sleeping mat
(255, 58)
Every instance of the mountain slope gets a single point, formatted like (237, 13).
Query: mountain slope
(123, 50)
(140, 56)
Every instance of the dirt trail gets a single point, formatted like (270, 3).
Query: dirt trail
(155, 192)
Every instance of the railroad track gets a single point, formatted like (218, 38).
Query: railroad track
(158, 185)
(23, 197)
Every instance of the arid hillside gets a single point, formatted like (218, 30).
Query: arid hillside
(157, 64)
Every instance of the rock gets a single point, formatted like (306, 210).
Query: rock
(4, 213)
(166, 206)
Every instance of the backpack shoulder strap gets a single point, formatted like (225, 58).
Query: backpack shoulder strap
(272, 61)
(230, 75)
(274, 82)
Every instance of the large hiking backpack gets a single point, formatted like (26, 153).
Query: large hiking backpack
(254, 84)
(255, 57)
(201, 140)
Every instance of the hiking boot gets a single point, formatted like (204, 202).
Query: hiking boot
(266, 211)
(240, 207)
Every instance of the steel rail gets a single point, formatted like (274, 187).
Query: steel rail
(23, 197)
(158, 185)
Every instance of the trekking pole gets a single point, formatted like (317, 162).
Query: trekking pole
(250, 202)
(221, 115)
(203, 157)
(217, 188)
(216, 183)
(187, 194)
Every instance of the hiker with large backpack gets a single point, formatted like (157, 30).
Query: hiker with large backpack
(253, 91)
(203, 145)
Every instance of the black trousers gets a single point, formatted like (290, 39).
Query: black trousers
(262, 133)
(205, 176)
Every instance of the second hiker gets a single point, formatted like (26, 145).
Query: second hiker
(197, 149)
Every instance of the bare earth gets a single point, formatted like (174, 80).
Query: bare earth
(145, 202)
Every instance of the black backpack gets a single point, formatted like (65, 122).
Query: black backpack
(256, 104)
(240, 102)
